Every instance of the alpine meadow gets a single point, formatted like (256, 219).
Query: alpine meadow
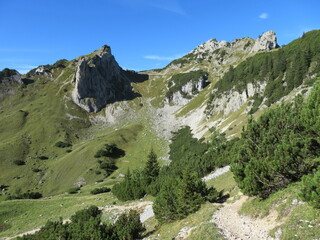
(221, 143)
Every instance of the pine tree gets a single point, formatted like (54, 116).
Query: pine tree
(152, 168)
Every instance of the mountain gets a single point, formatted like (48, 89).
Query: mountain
(77, 123)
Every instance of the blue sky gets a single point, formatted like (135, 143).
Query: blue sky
(143, 34)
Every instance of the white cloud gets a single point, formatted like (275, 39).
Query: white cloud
(162, 58)
(23, 68)
(263, 16)
(170, 6)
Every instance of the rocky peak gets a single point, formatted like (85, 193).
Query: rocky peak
(99, 81)
(10, 75)
(265, 42)
(209, 46)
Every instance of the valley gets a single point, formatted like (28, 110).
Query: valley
(76, 126)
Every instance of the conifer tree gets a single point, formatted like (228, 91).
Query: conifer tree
(152, 168)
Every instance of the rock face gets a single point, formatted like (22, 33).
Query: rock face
(188, 91)
(43, 70)
(98, 81)
(233, 100)
(8, 76)
(8, 79)
(265, 42)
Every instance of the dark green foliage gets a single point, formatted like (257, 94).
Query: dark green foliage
(86, 224)
(108, 165)
(310, 191)
(152, 168)
(284, 69)
(279, 148)
(43, 158)
(128, 226)
(62, 63)
(140, 182)
(212, 195)
(109, 153)
(179, 196)
(183, 144)
(27, 195)
(179, 80)
(132, 187)
(257, 102)
(61, 144)
(311, 112)
(110, 150)
(36, 170)
(19, 162)
(100, 190)
(73, 190)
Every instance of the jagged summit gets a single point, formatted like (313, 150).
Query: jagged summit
(99, 81)
(104, 49)
(265, 42)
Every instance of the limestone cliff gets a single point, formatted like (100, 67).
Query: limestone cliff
(188, 90)
(99, 80)
(265, 42)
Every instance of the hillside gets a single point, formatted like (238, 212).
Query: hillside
(69, 127)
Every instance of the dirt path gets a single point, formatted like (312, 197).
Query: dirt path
(237, 227)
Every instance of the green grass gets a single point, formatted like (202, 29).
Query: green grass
(25, 215)
(224, 182)
(199, 222)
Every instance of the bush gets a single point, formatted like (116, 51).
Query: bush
(108, 165)
(213, 195)
(110, 150)
(19, 162)
(100, 190)
(310, 191)
(129, 226)
(61, 144)
(43, 158)
(28, 195)
(73, 190)
(276, 150)
(36, 170)
(87, 224)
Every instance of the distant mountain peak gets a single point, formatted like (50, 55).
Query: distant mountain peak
(266, 42)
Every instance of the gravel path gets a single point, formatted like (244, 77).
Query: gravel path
(236, 227)
(147, 213)
(216, 173)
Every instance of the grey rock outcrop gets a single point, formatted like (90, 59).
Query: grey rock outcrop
(188, 91)
(232, 101)
(99, 80)
(265, 42)
(43, 70)
(9, 78)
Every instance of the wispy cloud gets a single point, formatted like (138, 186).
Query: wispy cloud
(162, 58)
(22, 68)
(263, 15)
(170, 6)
